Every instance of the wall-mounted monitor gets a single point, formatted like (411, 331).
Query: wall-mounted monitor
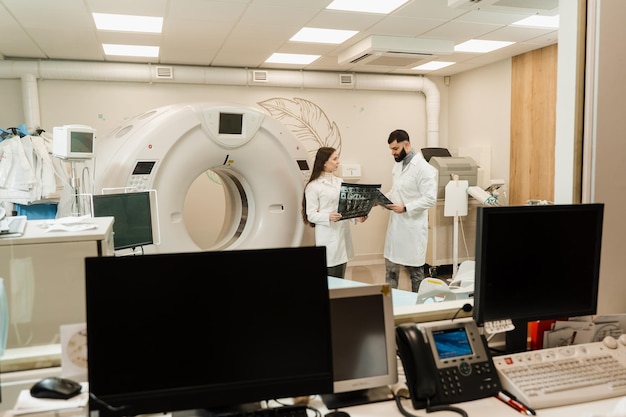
(206, 330)
(364, 346)
(132, 227)
(536, 263)
(73, 141)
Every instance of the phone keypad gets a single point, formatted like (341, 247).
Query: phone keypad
(450, 382)
(478, 377)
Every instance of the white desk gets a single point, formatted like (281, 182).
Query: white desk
(487, 407)
(36, 233)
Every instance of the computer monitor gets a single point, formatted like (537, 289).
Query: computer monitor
(428, 153)
(73, 141)
(132, 227)
(364, 347)
(536, 263)
(206, 330)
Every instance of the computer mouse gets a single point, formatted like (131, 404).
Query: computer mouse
(55, 387)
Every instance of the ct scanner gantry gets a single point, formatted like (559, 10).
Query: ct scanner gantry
(262, 167)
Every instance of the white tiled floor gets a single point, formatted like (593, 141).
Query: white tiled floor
(375, 274)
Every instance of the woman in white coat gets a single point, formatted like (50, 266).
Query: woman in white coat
(319, 210)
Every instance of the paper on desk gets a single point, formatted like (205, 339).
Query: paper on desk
(69, 224)
(27, 404)
(71, 227)
(568, 332)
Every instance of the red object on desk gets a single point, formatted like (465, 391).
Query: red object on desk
(535, 331)
(512, 402)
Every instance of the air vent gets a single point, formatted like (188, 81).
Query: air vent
(346, 80)
(259, 76)
(164, 72)
(360, 58)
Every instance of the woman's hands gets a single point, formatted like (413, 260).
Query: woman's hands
(334, 217)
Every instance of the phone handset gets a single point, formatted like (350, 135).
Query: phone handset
(417, 362)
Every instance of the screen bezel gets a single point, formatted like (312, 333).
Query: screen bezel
(523, 304)
(384, 294)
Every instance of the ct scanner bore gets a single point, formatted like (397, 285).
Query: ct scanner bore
(263, 169)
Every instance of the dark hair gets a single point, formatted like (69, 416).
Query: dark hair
(323, 154)
(398, 135)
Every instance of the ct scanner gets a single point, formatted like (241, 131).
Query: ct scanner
(262, 167)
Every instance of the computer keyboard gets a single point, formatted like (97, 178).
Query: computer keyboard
(565, 375)
(297, 410)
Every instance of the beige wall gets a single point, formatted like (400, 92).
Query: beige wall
(609, 185)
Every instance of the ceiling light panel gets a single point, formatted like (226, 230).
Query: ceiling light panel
(551, 22)
(131, 50)
(278, 58)
(434, 65)
(128, 23)
(317, 35)
(366, 6)
(480, 46)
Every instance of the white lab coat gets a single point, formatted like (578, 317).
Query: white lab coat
(27, 173)
(322, 198)
(415, 186)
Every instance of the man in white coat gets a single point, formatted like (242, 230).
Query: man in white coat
(413, 192)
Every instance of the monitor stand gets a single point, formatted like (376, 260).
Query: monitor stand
(358, 397)
(517, 339)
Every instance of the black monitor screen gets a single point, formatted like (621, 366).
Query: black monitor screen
(537, 262)
(133, 219)
(231, 123)
(207, 330)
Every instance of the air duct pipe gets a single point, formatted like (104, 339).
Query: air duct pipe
(29, 71)
(30, 102)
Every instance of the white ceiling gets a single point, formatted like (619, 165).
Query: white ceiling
(244, 33)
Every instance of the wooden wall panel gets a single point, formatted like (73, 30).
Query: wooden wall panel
(533, 125)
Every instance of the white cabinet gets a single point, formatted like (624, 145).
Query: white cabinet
(440, 250)
(44, 278)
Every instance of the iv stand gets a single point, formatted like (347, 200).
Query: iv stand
(455, 205)
(75, 184)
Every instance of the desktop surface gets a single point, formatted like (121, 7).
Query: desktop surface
(486, 407)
